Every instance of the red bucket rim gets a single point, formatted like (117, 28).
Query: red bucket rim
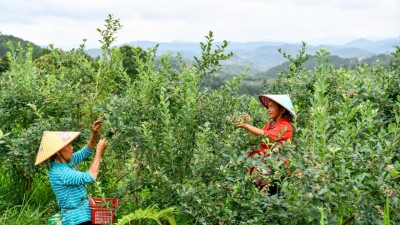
(94, 202)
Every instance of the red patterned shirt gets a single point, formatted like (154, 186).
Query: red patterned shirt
(276, 133)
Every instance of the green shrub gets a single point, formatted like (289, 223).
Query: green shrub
(171, 142)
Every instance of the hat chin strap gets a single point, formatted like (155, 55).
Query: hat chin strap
(73, 166)
(62, 157)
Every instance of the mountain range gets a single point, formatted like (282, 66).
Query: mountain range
(259, 56)
(264, 55)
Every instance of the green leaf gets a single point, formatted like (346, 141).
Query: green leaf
(392, 127)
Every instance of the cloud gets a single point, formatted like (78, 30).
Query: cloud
(66, 23)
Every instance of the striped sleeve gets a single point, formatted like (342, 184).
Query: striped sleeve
(81, 155)
(72, 177)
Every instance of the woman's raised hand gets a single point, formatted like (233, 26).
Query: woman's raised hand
(246, 117)
(239, 121)
(96, 126)
(101, 145)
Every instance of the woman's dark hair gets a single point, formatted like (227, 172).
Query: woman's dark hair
(286, 114)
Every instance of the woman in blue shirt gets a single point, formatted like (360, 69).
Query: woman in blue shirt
(69, 184)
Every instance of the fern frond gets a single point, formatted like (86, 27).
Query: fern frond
(150, 213)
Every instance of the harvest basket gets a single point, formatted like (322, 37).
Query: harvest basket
(103, 210)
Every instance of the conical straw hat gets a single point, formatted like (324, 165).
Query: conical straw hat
(52, 142)
(283, 100)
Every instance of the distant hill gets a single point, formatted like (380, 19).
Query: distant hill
(37, 50)
(261, 57)
(264, 55)
(336, 61)
(383, 46)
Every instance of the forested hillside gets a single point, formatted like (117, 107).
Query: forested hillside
(264, 55)
(255, 80)
(337, 62)
(5, 40)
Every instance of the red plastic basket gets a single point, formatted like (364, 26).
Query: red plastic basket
(103, 210)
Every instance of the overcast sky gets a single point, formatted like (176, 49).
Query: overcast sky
(65, 23)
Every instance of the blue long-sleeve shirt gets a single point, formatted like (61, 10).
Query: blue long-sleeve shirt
(69, 187)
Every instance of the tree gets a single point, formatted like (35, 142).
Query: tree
(4, 65)
(129, 59)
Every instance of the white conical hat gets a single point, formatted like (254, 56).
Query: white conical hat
(283, 100)
(52, 142)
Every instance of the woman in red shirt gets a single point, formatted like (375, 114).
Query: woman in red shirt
(277, 130)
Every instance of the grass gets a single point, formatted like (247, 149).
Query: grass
(32, 207)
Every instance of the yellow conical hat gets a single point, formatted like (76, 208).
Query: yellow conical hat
(52, 142)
